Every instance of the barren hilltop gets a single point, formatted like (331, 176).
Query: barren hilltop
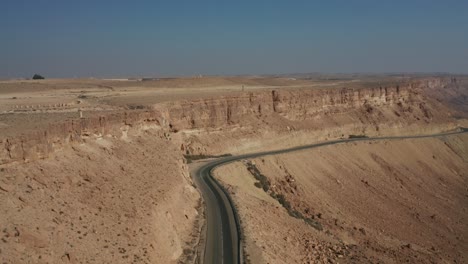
(99, 171)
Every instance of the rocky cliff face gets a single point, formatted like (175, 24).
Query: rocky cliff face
(455, 95)
(295, 107)
(40, 144)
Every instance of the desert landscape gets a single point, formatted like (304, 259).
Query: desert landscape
(104, 170)
(233, 132)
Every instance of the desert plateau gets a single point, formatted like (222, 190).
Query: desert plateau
(233, 132)
(98, 171)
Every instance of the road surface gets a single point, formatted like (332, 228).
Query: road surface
(223, 231)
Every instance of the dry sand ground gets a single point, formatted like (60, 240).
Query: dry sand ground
(127, 197)
(391, 202)
(33, 104)
(108, 200)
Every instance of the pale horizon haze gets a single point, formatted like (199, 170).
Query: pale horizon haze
(111, 39)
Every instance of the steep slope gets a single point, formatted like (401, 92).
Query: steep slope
(244, 122)
(390, 202)
(267, 119)
(454, 95)
(124, 170)
(108, 200)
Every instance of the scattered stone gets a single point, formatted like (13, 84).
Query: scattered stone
(4, 188)
(406, 246)
(17, 233)
(362, 231)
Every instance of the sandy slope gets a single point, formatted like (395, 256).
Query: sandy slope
(105, 201)
(71, 194)
(391, 202)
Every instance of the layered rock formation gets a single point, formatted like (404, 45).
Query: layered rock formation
(285, 108)
(39, 144)
(295, 105)
(246, 122)
(132, 181)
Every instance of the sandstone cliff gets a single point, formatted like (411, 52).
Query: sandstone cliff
(251, 119)
(39, 144)
(295, 105)
(280, 109)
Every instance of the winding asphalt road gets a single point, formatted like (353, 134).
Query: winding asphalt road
(223, 231)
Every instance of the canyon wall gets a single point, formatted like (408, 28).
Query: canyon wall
(296, 106)
(39, 144)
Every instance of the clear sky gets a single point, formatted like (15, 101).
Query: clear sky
(81, 38)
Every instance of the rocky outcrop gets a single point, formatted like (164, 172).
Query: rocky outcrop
(40, 144)
(294, 105)
(291, 104)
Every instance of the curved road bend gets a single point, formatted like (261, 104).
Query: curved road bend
(222, 233)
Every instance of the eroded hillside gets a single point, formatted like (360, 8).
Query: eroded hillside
(284, 117)
(367, 202)
(113, 186)
(105, 200)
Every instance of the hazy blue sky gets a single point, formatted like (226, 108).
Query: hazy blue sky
(161, 38)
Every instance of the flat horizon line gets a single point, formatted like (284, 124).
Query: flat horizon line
(130, 77)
